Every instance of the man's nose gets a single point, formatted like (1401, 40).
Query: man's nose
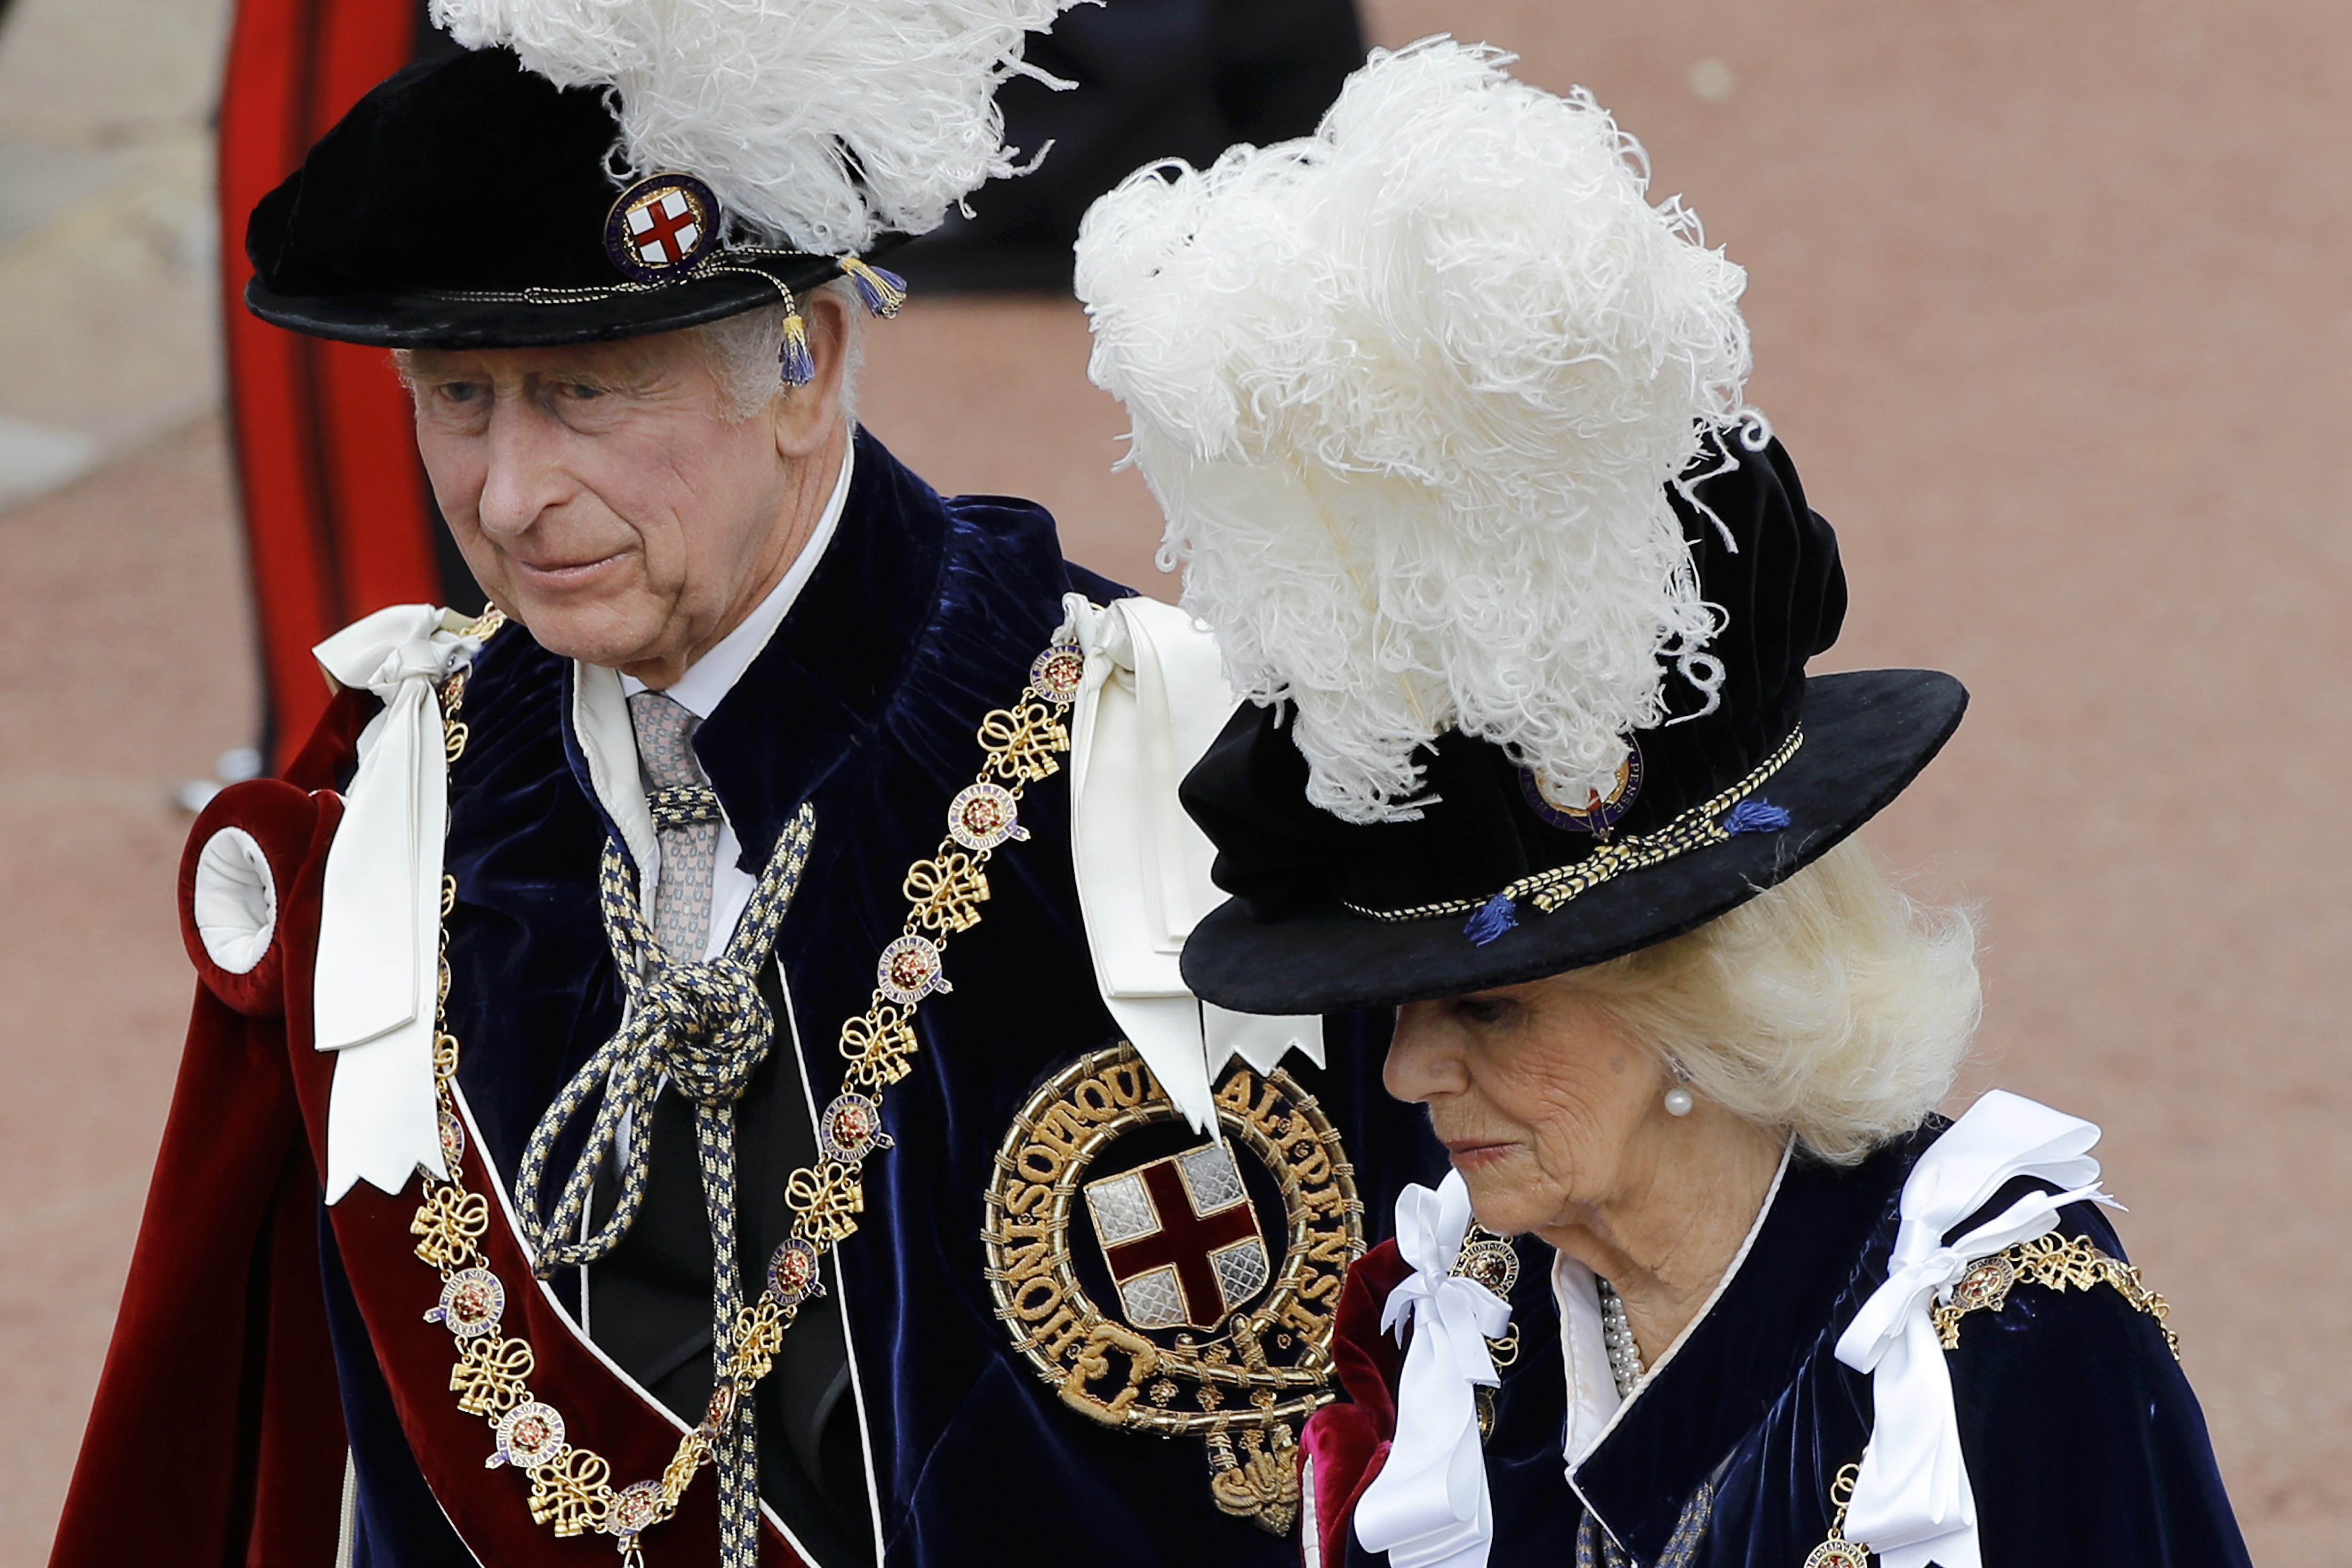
(522, 477)
(1423, 1060)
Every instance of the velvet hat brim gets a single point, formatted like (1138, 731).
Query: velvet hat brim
(1866, 735)
(423, 319)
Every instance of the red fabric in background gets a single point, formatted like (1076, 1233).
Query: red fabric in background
(337, 521)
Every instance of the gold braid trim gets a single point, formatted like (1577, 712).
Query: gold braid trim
(1696, 829)
(571, 1488)
(2057, 1262)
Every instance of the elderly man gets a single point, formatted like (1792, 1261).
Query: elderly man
(693, 1057)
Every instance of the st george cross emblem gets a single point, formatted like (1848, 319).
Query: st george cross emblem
(1183, 1315)
(661, 225)
(1181, 1240)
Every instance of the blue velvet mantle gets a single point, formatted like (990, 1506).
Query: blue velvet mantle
(923, 615)
(2085, 1444)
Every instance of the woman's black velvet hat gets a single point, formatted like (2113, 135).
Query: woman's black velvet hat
(466, 202)
(1495, 883)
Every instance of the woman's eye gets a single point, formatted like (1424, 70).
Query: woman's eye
(459, 390)
(580, 391)
(1484, 1012)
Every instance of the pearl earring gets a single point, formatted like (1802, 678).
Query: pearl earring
(1679, 1100)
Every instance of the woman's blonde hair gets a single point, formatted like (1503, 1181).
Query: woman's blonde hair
(1832, 1006)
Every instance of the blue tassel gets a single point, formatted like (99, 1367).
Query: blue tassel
(1755, 817)
(1495, 916)
(882, 291)
(793, 359)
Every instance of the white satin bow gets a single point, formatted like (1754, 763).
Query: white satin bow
(1152, 698)
(379, 926)
(1912, 1502)
(1429, 1508)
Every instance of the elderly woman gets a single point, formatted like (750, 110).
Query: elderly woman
(1448, 423)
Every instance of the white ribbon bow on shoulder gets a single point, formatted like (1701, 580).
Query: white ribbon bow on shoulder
(1152, 699)
(1429, 1508)
(379, 926)
(1912, 1502)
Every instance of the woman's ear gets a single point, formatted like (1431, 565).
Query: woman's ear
(805, 417)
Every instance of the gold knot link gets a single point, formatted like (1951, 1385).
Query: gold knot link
(947, 892)
(573, 1493)
(451, 1220)
(878, 1044)
(489, 1377)
(826, 1197)
(758, 1333)
(1022, 742)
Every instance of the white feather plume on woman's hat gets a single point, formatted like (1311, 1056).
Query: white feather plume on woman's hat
(1411, 392)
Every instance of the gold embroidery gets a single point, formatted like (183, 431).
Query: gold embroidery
(2059, 1262)
(1241, 1387)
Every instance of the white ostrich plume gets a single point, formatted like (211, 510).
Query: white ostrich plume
(1411, 392)
(818, 124)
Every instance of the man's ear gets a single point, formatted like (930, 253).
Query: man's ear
(807, 415)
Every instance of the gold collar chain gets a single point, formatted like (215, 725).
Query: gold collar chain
(571, 1488)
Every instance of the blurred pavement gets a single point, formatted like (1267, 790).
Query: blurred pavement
(2048, 303)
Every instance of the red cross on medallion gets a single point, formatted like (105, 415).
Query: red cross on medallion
(1185, 1238)
(663, 228)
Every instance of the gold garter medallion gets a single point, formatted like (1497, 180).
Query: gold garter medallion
(1166, 1284)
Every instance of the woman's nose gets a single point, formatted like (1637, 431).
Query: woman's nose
(1424, 1061)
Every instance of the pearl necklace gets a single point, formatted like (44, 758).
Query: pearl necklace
(1617, 1336)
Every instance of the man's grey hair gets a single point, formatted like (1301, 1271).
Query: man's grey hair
(742, 352)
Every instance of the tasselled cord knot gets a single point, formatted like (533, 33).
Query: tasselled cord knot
(704, 1025)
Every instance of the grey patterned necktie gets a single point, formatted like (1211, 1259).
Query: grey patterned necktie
(686, 822)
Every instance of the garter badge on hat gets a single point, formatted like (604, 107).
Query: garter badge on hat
(661, 225)
(1202, 1303)
(1600, 811)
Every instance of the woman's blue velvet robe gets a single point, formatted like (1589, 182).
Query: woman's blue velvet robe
(923, 616)
(2085, 1444)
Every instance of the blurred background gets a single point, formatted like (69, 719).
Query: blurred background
(2049, 304)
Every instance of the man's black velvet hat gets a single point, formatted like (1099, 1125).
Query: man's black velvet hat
(468, 203)
(1497, 883)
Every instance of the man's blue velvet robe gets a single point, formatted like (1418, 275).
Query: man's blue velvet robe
(923, 615)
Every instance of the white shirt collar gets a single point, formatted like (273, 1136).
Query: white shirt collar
(708, 680)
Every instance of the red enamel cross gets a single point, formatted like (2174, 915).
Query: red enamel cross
(1185, 1238)
(663, 228)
